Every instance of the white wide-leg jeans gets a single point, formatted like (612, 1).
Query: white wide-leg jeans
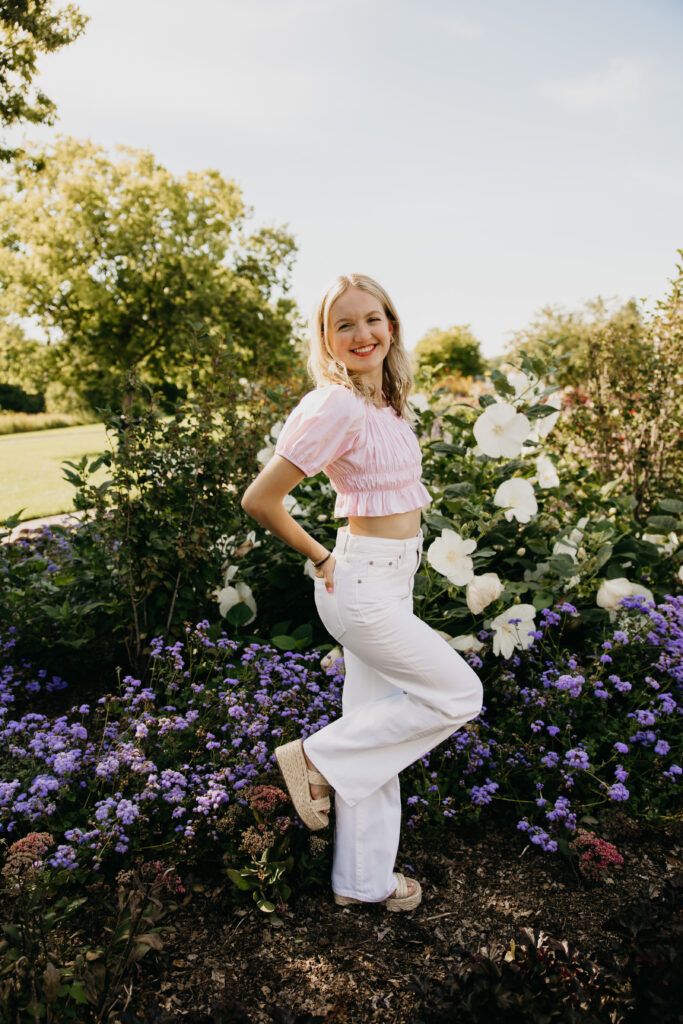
(405, 691)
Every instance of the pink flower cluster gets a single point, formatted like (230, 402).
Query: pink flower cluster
(598, 856)
(25, 857)
(264, 799)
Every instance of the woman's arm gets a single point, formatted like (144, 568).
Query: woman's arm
(263, 499)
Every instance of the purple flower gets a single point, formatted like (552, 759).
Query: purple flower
(126, 811)
(618, 792)
(483, 794)
(620, 773)
(662, 747)
(577, 758)
(621, 748)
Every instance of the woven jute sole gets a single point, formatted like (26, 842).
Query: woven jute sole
(290, 758)
(393, 903)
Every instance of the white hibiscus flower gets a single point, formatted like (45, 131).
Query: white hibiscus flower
(667, 544)
(547, 474)
(336, 654)
(309, 569)
(241, 593)
(449, 555)
(465, 642)
(517, 497)
(527, 389)
(611, 592)
(507, 636)
(264, 455)
(501, 431)
(419, 402)
(544, 424)
(482, 590)
(292, 505)
(570, 545)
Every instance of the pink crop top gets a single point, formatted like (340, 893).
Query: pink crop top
(371, 455)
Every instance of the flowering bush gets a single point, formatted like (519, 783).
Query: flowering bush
(567, 731)
(173, 762)
(166, 763)
(509, 531)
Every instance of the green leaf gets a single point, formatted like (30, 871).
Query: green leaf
(284, 643)
(443, 447)
(562, 564)
(439, 522)
(237, 879)
(671, 505)
(485, 400)
(77, 994)
(265, 905)
(239, 614)
(303, 632)
(536, 412)
(12, 933)
(603, 555)
(663, 524)
(459, 490)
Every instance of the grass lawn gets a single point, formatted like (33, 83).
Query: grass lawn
(30, 468)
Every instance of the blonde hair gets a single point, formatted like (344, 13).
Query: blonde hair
(325, 368)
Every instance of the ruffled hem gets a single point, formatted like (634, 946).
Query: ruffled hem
(382, 503)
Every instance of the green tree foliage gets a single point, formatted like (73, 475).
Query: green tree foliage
(453, 351)
(627, 416)
(27, 29)
(22, 359)
(570, 333)
(116, 258)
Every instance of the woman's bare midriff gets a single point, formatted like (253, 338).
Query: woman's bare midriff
(400, 526)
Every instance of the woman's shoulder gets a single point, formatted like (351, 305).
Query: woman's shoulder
(333, 398)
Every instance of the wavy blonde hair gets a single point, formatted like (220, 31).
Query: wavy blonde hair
(325, 368)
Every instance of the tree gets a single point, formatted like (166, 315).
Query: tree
(627, 419)
(570, 333)
(28, 28)
(115, 259)
(455, 350)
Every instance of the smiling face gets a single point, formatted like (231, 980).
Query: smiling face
(359, 334)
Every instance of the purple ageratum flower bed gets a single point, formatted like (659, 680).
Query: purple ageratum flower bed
(564, 733)
(160, 763)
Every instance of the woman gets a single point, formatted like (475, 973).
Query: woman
(405, 689)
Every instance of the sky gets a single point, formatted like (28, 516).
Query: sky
(481, 160)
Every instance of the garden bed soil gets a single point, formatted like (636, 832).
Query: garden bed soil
(226, 962)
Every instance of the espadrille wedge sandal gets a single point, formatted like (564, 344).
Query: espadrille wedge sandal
(298, 778)
(402, 899)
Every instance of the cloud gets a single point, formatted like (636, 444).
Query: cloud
(462, 30)
(621, 82)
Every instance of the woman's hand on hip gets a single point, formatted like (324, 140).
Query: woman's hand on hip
(326, 572)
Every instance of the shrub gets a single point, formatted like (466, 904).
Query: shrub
(524, 534)
(15, 399)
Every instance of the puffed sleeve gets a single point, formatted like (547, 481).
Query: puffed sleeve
(324, 426)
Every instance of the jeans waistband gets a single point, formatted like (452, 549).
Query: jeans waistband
(352, 544)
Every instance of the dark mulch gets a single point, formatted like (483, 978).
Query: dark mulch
(224, 962)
